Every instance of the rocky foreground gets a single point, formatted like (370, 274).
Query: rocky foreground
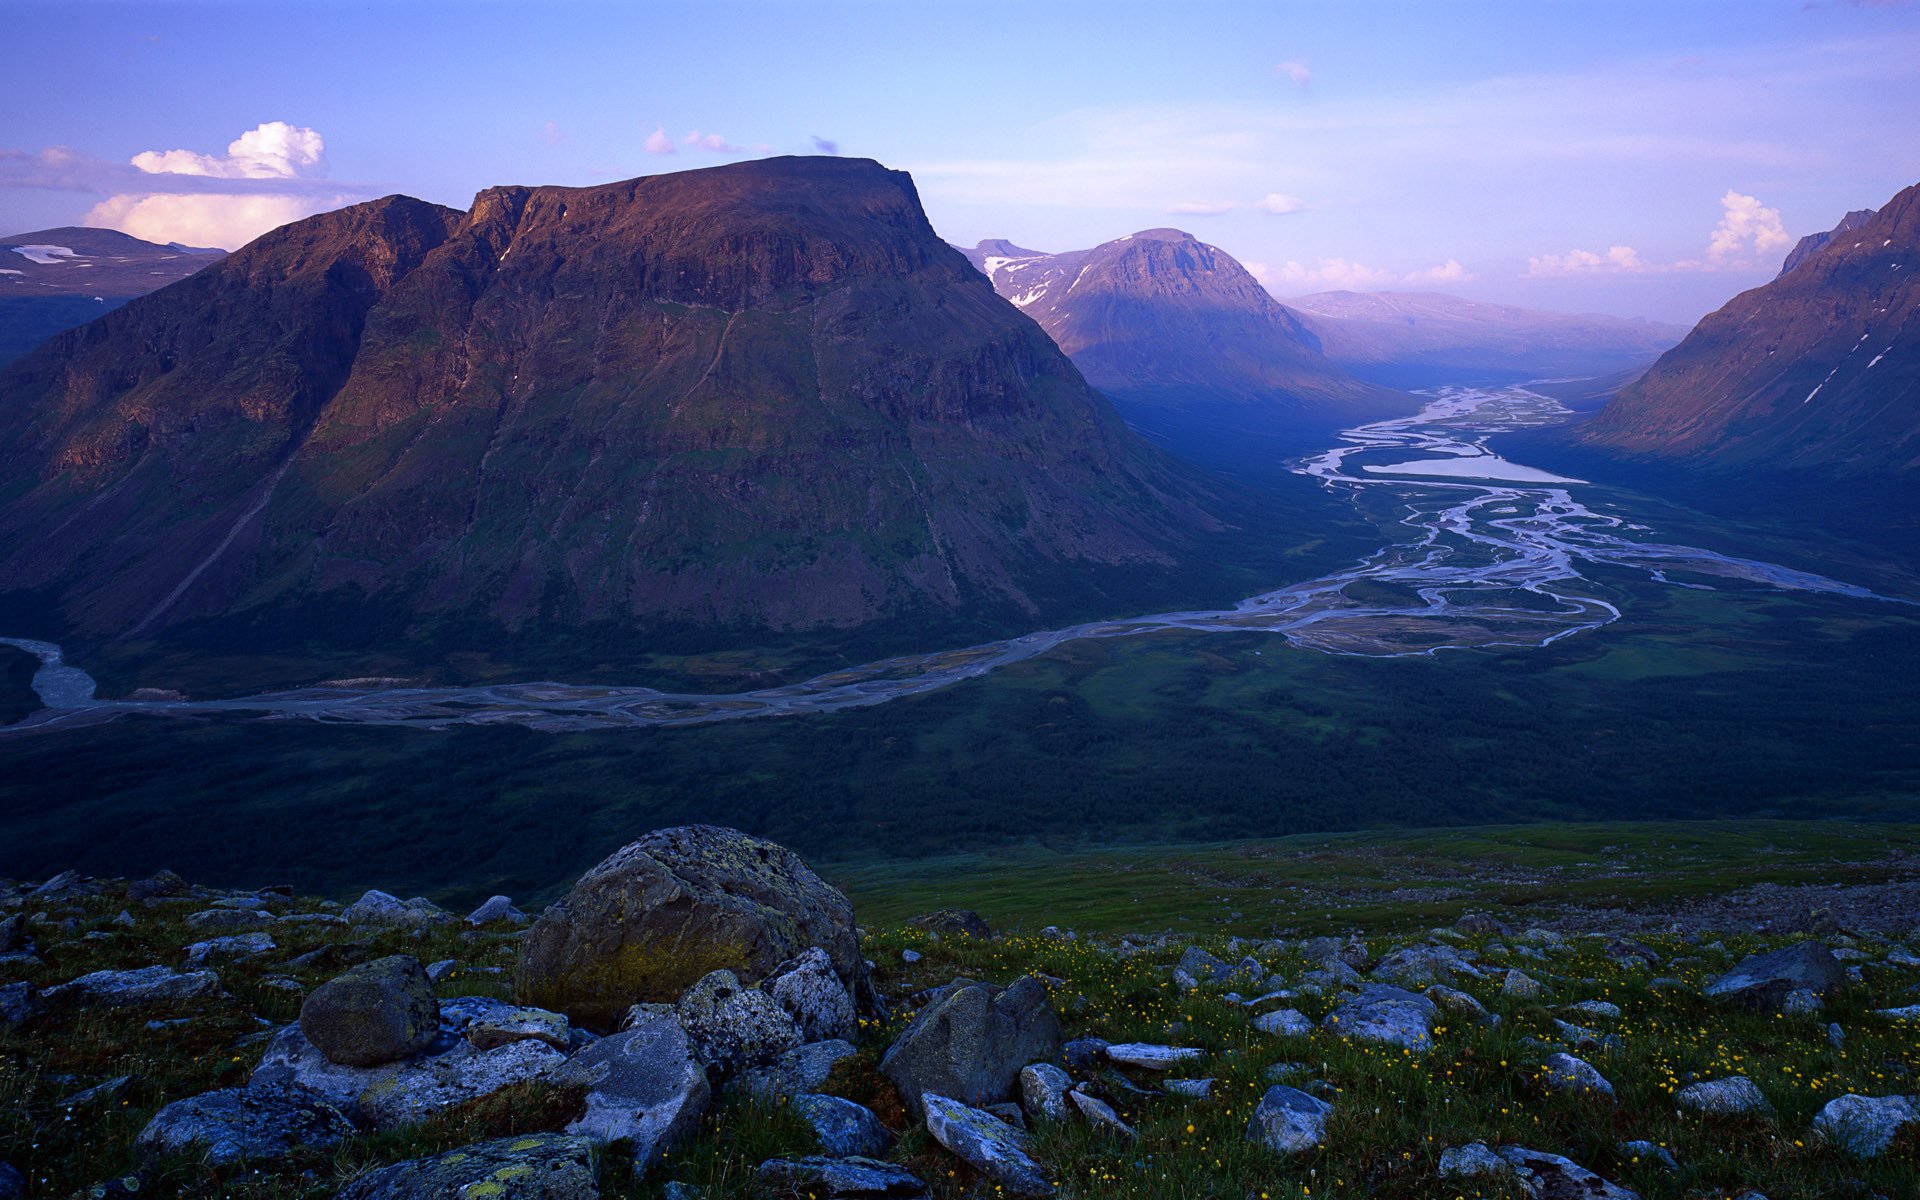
(700, 1016)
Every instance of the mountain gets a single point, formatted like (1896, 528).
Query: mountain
(54, 279)
(1419, 338)
(1180, 334)
(1817, 371)
(758, 396)
(1813, 241)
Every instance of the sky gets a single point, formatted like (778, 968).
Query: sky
(1642, 159)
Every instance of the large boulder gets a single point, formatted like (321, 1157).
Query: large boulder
(1289, 1121)
(987, 1144)
(843, 1127)
(537, 1166)
(1866, 1125)
(811, 992)
(1381, 1013)
(453, 1071)
(658, 915)
(735, 1027)
(1734, 1096)
(802, 1069)
(1546, 1176)
(245, 1123)
(128, 989)
(971, 1043)
(378, 1012)
(644, 1087)
(1763, 980)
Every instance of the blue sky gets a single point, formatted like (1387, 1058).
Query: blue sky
(1641, 159)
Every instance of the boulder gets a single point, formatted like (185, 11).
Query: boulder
(161, 883)
(487, 1023)
(240, 945)
(245, 1123)
(986, 1143)
(451, 1072)
(1565, 1073)
(1457, 1004)
(1733, 1096)
(496, 909)
(1043, 1092)
(1865, 1126)
(1188, 1089)
(536, 1166)
(1550, 1177)
(1288, 1121)
(1653, 1151)
(1762, 981)
(19, 1003)
(823, 1178)
(1482, 923)
(377, 1012)
(381, 910)
(811, 992)
(951, 922)
(842, 1127)
(970, 1044)
(733, 1027)
(13, 934)
(1284, 1022)
(644, 1088)
(1518, 985)
(1390, 1015)
(1595, 1010)
(802, 1069)
(127, 989)
(1471, 1161)
(1424, 966)
(1149, 1056)
(1801, 1002)
(656, 916)
(1100, 1115)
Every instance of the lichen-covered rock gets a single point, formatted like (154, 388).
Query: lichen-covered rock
(1762, 981)
(988, 1144)
(1733, 1096)
(1150, 1056)
(1457, 1004)
(488, 1023)
(127, 989)
(496, 909)
(1188, 1089)
(1866, 1125)
(1391, 1015)
(802, 1069)
(658, 915)
(1471, 1161)
(813, 995)
(823, 1178)
(970, 1044)
(1565, 1073)
(1518, 985)
(733, 1027)
(377, 1012)
(644, 1087)
(1284, 1022)
(245, 1123)
(1550, 1177)
(1288, 1121)
(240, 945)
(1043, 1092)
(1595, 1010)
(379, 909)
(538, 1166)
(409, 1092)
(842, 1127)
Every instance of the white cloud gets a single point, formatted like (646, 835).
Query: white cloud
(1279, 204)
(1748, 231)
(1294, 69)
(1195, 208)
(1337, 273)
(1448, 272)
(711, 141)
(1621, 260)
(205, 220)
(273, 150)
(659, 143)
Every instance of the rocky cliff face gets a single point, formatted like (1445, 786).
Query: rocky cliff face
(1807, 245)
(758, 395)
(1817, 371)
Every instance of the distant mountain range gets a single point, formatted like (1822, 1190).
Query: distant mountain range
(55, 279)
(1183, 338)
(1414, 339)
(759, 396)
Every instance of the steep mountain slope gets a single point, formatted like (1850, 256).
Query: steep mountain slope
(1162, 321)
(1813, 241)
(1425, 337)
(1817, 371)
(756, 396)
(55, 279)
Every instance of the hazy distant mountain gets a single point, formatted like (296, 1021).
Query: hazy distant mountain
(1174, 329)
(1411, 338)
(757, 396)
(54, 279)
(1813, 241)
(1817, 371)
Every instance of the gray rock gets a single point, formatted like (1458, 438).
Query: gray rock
(1424, 966)
(1471, 1161)
(498, 909)
(19, 1003)
(1865, 1126)
(1565, 1073)
(1202, 967)
(1389, 1015)
(382, 910)
(1909, 1012)
(1084, 1052)
(1735, 1095)
(1150, 1056)
(1100, 1115)
(99, 1094)
(1482, 923)
(1801, 1002)
(1284, 1022)
(1457, 1004)
(733, 1027)
(911, 956)
(843, 1127)
(13, 934)
(242, 945)
(377, 1012)
(988, 1144)
(644, 1088)
(1518, 985)
(955, 922)
(442, 970)
(1763, 980)
(811, 992)
(1581, 1037)
(1008, 1112)
(254, 1123)
(1836, 1036)
(488, 1023)
(230, 918)
(1550, 1177)
(721, 899)
(409, 1092)
(1043, 1092)
(822, 1178)
(1288, 1121)
(1651, 1151)
(802, 1069)
(970, 1044)
(537, 1166)
(1595, 1010)
(127, 989)
(673, 1189)
(160, 884)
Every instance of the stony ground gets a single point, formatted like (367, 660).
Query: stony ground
(1335, 1065)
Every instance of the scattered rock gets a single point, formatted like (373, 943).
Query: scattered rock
(955, 922)
(245, 1123)
(13, 934)
(813, 995)
(1391, 1015)
(1424, 966)
(230, 918)
(1457, 1004)
(644, 1087)
(487, 1023)
(971, 1044)
(1735, 1095)
(821, 1178)
(1084, 1051)
(990, 1145)
(1565, 1073)
(243, 945)
(382, 910)
(99, 1094)
(1151, 1057)
(377, 1012)
(537, 1166)
(1284, 1022)
(843, 1127)
(803, 1069)
(126, 989)
(1100, 1114)
(1762, 981)
(1188, 1089)
(1482, 923)
(496, 909)
(409, 1092)
(1471, 1161)
(1866, 1125)
(911, 956)
(19, 1003)
(1596, 1010)
(733, 1027)
(1550, 1177)
(1801, 1002)
(160, 884)
(1288, 1121)
(1043, 1092)
(721, 899)
(1518, 985)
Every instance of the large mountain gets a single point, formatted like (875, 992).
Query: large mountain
(1816, 372)
(760, 396)
(1173, 328)
(1413, 338)
(1805, 247)
(55, 279)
